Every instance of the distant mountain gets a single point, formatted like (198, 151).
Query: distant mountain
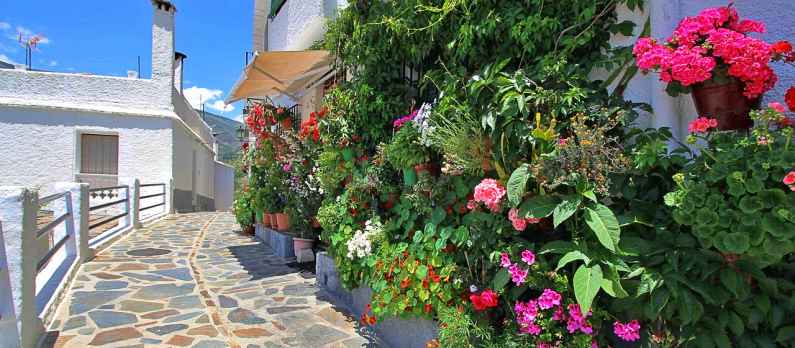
(225, 131)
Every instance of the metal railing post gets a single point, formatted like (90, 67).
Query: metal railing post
(79, 196)
(18, 210)
(9, 337)
(135, 204)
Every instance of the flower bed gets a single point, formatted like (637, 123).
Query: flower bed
(513, 201)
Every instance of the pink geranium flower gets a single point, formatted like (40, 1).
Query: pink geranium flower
(528, 257)
(777, 106)
(548, 299)
(505, 260)
(702, 125)
(490, 193)
(518, 274)
(628, 332)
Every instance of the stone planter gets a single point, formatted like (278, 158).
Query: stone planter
(281, 243)
(301, 244)
(404, 333)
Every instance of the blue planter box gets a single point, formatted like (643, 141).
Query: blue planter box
(403, 333)
(280, 242)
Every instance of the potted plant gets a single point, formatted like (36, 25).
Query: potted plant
(405, 152)
(243, 212)
(712, 57)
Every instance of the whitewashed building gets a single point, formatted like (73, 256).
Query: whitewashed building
(59, 127)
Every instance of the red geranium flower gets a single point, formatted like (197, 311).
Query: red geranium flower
(790, 99)
(782, 47)
(487, 299)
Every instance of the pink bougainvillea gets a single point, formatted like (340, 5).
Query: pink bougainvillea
(490, 193)
(714, 37)
(628, 332)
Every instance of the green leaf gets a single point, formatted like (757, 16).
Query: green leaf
(422, 271)
(539, 206)
(604, 223)
(517, 184)
(587, 282)
(612, 283)
(786, 333)
(438, 216)
(500, 280)
(736, 324)
(570, 257)
(731, 280)
(565, 209)
(556, 247)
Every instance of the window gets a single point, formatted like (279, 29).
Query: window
(276, 5)
(99, 154)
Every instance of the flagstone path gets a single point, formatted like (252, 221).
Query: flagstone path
(192, 280)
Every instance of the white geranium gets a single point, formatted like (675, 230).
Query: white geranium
(361, 245)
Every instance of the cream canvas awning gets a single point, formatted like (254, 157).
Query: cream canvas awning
(284, 72)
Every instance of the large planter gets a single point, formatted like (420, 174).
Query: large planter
(282, 222)
(301, 244)
(409, 177)
(726, 103)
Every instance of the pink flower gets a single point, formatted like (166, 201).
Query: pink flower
(532, 220)
(526, 313)
(518, 223)
(702, 125)
(789, 179)
(528, 257)
(287, 167)
(559, 314)
(505, 260)
(777, 106)
(548, 299)
(577, 321)
(471, 205)
(518, 274)
(628, 332)
(543, 345)
(750, 26)
(490, 193)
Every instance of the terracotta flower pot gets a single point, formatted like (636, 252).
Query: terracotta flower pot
(282, 222)
(272, 220)
(725, 103)
(300, 244)
(266, 219)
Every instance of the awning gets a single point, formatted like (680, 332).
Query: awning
(285, 72)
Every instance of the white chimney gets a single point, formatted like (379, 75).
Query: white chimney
(132, 74)
(179, 61)
(163, 49)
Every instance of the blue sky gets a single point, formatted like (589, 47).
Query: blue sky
(106, 38)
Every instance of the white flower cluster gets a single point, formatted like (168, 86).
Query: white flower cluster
(361, 244)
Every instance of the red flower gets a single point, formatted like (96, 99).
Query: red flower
(428, 308)
(789, 179)
(487, 299)
(782, 47)
(405, 283)
(790, 99)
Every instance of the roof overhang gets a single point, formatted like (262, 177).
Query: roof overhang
(280, 73)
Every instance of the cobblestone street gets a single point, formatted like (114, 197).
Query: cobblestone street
(193, 280)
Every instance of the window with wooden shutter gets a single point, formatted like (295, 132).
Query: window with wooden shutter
(99, 154)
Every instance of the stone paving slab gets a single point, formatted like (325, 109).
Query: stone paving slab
(192, 280)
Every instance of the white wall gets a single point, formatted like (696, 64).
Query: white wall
(224, 186)
(40, 146)
(300, 23)
(665, 15)
(185, 145)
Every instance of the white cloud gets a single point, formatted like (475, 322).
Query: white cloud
(53, 63)
(209, 97)
(219, 105)
(5, 58)
(4, 26)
